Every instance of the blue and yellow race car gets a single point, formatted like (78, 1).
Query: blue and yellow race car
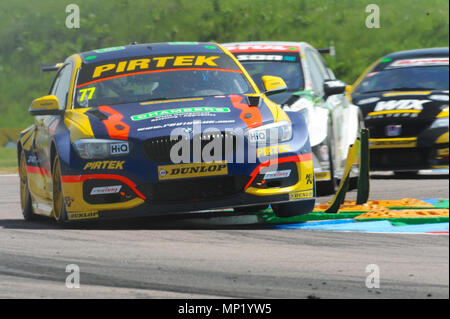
(160, 128)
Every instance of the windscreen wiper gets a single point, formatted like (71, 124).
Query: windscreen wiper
(154, 99)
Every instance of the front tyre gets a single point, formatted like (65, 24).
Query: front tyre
(406, 174)
(25, 197)
(296, 208)
(59, 207)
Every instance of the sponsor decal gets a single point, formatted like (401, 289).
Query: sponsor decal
(322, 175)
(81, 215)
(179, 171)
(179, 111)
(324, 153)
(68, 201)
(261, 47)
(162, 172)
(368, 100)
(439, 97)
(278, 174)
(259, 57)
(257, 136)
(397, 108)
(113, 165)
(33, 160)
(106, 190)
(269, 150)
(123, 66)
(289, 58)
(400, 105)
(419, 62)
(155, 63)
(393, 130)
(393, 113)
(118, 149)
(300, 195)
(393, 143)
(204, 122)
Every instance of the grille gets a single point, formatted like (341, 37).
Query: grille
(409, 129)
(398, 158)
(194, 189)
(158, 149)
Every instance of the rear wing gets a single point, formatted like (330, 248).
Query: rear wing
(51, 67)
(329, 51)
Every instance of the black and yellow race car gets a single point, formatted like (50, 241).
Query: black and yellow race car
(160, 128)
(404, 97)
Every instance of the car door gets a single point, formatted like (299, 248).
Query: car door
(45, 126)
(319, 74)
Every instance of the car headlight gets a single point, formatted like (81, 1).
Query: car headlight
(277, 132)
(97, 148)
(442, 122)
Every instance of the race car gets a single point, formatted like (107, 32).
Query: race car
(161, 128)
(333, 122)
(404, 99)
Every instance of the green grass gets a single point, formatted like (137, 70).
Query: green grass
(8, 158)
(9, 135)
(33, 32)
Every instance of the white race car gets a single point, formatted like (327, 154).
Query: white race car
(333, 122)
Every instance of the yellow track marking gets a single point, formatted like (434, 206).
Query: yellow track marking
(406, 213)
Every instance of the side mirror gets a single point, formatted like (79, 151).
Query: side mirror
(348, 89)
(46, 105)
(333, 87)
(273, 84)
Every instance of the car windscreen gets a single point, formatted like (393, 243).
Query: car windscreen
(147, 78)
(283, 65)
(408, 78)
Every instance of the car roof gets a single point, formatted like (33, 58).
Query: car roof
(287, 43)
(418, 53)
(135, 50)
(386, 61)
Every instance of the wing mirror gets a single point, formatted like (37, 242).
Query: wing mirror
(273, 84)
(333, 87)
(46, 105)
(348, 89)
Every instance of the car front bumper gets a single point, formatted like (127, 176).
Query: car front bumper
(427, 151)
(193, 194)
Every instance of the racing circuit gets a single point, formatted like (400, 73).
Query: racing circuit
(230, 255)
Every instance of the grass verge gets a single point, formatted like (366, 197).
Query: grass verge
(8, 160)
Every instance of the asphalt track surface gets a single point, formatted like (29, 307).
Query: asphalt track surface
(197, 258)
